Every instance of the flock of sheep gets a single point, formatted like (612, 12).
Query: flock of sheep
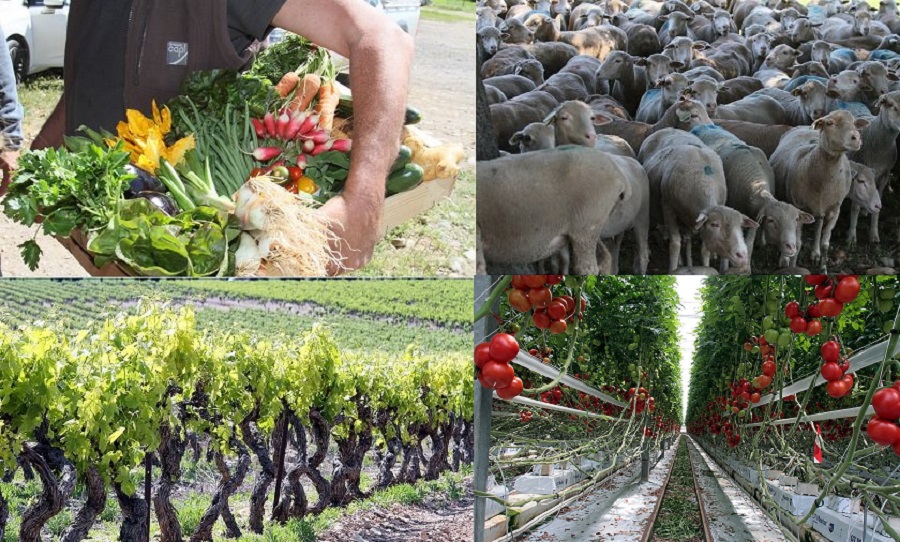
(735, 120)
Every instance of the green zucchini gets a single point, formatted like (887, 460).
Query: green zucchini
(403, 158)
(405, 179)
(345, 110)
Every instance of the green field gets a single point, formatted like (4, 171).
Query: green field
(385, 315)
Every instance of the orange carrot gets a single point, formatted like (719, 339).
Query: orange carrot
(329, 98)
(306, 91)
(287, 84)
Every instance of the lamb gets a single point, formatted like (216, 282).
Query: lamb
(754, 108)
(505, 61)
(705, 90)
(751, 184)
(681, 49)
(812, 171)
(688, 183)
(643, 40)
(491, 37)
(596, 41)
(656, 101)
(629, 81)
(737, 88)
(658, 66)
(514, 196)
(574, 124)
(514, 31)
(683, 114)
(511, 85)
(494, 96)
(863, 196)
(511, 116)
(763, 137)
(879, 152)
(802, 105)
(534, 137)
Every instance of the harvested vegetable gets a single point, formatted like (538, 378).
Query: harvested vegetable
(308, 89)
(287, 84)
(291, 238)
(66, 190)
(193, 243)
(191, 184)
(328, 100)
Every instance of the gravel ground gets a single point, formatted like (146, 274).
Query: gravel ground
(433, 521)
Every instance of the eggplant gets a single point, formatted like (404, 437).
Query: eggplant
(144, 181)
(163, 202)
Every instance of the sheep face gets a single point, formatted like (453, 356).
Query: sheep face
(889, 109)
(781, 224)
(705, 90)
(574, 124)
(659, 66)
(844, 86)
(782, 57)
(614, 65)
(812, 98)
(863, 190)
(720, 228)
(534, 137)
(839, 132)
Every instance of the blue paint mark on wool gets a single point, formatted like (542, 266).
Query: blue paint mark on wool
(707, 170)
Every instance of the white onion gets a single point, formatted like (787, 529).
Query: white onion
(247, 259)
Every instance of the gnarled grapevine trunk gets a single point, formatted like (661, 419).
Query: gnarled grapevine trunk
(228, 484)
(440, 439)
(93, 507)
(348, 463)
(409, 467)
(134, 516)
(386, 460)
(57, 477)
(4, 516)
(293, 501)
(171, 450)
(257, 444)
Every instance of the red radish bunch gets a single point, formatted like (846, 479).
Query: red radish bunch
(299, 127)
(532, 293)
(494, 370)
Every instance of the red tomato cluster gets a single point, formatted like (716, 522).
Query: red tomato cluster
(883, 428)
(494, 369)
(532, 292)
(767, 351)
(525, 415)
(641, 399)
(834, 369)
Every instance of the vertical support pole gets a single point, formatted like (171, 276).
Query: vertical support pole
(483, 399)
(645, 457)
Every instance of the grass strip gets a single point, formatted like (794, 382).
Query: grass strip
(679, 515)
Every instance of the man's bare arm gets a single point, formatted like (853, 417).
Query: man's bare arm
(380, 54)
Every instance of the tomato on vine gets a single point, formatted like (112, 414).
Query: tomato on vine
(886, 403)
(497, 374)
(513, 389)
(482, 354)
(504, 347)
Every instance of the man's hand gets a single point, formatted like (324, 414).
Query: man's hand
(8, 162)
(356, 221)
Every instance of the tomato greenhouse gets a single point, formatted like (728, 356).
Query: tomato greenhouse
(746, 408)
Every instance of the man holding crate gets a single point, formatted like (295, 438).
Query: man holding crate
(123, 54)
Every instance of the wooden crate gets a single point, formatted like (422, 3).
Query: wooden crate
(398, 209)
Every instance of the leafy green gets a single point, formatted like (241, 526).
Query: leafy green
(65, 190)
(329, 170)
(31, 253)
(194, 243)
(288, 55)
(211, 90)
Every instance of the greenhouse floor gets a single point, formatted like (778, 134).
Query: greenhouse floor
(731, 514)
(618, 510)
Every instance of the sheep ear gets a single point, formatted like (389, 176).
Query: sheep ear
(860, 123)
(722, 88)
(676, 64)
(663, 17)
(747, 222)
(893, 76)
(818, 124)
(806, 218)
(815, 24)
(701, 220)
(832, 94)
(669, 46)
(516, 138)
(798, 92)
(601, 118)
(641, 62)
(504, 36)
(700, 45)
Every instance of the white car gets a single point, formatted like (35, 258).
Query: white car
(35, 33)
